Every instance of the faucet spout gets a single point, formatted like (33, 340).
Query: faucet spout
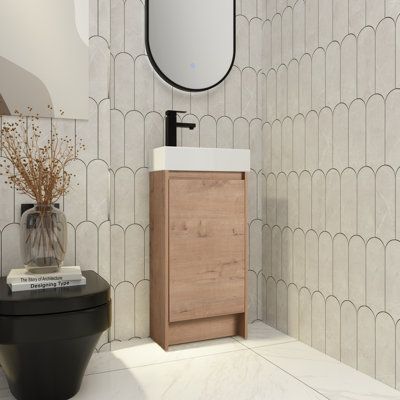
(186, 125)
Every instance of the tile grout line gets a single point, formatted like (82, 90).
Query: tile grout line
(244, 348)
(268, 345)
(167, 362)
(283, 370)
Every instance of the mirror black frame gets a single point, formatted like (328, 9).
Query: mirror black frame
(164, 77)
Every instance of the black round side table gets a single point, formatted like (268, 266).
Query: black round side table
(48, 336)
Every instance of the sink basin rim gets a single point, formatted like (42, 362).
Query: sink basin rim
(168, 158)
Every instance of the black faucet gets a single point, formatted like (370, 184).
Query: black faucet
(171, 124)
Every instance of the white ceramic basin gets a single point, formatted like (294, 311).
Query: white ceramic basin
(200, 159)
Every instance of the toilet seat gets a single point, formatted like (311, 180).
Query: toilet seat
(95, 293)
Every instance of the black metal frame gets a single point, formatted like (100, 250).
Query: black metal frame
(164, 77)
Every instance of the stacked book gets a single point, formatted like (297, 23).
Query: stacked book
(20, 279)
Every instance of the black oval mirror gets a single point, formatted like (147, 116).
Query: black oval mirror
(191, 43)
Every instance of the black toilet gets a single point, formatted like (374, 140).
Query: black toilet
(47, 337)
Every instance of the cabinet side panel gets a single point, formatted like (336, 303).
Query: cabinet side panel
(159, 258)
(243, 321)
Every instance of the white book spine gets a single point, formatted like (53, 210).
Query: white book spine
(21, 275)
(41, 278)
(20, 287)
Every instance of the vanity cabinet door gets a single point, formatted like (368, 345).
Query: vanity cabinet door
(207, 247)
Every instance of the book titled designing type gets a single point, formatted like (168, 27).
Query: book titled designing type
(20, 279)
(20, 287)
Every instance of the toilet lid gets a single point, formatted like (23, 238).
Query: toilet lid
(95, 293)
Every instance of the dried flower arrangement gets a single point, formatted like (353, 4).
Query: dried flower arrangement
(35, 168)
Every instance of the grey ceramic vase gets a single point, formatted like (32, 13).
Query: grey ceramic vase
(43, 238)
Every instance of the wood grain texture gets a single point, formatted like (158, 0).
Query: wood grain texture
(198, 256)
(203, 329)
(159, 257)
(206, 252)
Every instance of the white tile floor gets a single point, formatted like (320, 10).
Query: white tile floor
(269, 365)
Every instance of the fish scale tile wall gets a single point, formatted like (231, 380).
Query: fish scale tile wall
(315, 95)
(108, 210)
(331, 179)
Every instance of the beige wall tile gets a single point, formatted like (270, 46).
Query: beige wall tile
(293, 311)
(299, 266)
(393, 279)
(333, 201)
(318, 322)
(325, 22)
(340, 267)
(325, 263)
(312, 261)
(298, 29)
(333, 74)
(305, 316)
(281, 306)
(312, 141)
(271, 302)
(325, 142)
(356, 15)
(318, 79)
(375, 11)
(357, 271)
(385, 203)
(375, 143)
(276, 255)
(366, 63)
(348, 69)
(348, 202)
(333, 327)
(357, 132)
(242, 42)
(385, 56)
(340, 19)
(366, 203)
(282, 92)
(124, 300)
(299, 142)
(392, 124)
(134, 254)
(287, 255)
(256, 43)
(375, 283)
(276, 55)
(348, 334)
(385, 349)
(142, 309)
(287, 145)
(305, 194)
(311, 25)
(293, 88)
(282, 200)
(287, 35)
(305, 84)
(318, 201)
(340, 137)
(276, 147)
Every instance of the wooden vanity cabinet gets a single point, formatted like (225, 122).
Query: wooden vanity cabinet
(198, 256)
